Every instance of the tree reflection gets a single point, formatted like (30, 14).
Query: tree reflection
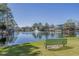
(37, 35)
(59, 35)
(41, 34)
(46, 34)
(4, 40)
(52, 34)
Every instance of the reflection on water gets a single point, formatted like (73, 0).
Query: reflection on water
(6, 40)
(77, 34)
(2, 41)
(47, 35)
(25, 37)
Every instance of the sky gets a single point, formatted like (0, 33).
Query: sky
(26, 14)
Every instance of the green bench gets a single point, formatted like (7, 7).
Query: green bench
(55, 43)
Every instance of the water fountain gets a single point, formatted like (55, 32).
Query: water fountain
(36, 30)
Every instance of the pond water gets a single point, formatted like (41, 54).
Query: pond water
(25, 37)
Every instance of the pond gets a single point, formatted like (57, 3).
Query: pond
(25, 37)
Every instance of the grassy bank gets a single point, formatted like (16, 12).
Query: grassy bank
(38, 48)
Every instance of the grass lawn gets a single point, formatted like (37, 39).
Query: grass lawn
(38, 48)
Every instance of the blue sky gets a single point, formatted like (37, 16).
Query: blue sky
(29, 13)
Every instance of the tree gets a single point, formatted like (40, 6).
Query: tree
(40, 26)
(2, 28)
(3, 6)
(77, 26)
(7, 17)
(52, 26)
(46, 27)
(69, 27)
(35, 25)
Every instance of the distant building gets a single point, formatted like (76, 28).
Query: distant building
(51, 28)
(77, 26)
(26, 29)
(59, 28)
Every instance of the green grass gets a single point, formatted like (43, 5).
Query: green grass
(20, 50)
(38, 48)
